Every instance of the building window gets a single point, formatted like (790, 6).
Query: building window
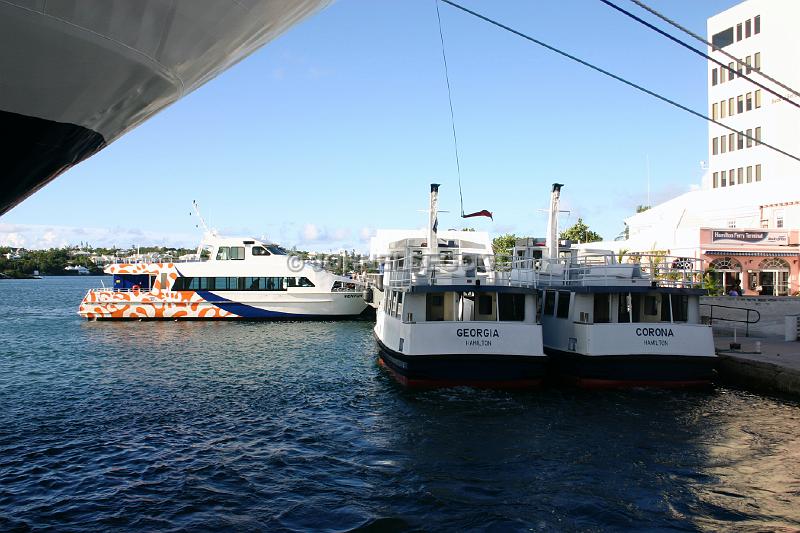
(750, 138)
(714, 110)
(748, 102)
(758, 135)
(723, 38)
(731, 224)
(749, 64)
(731, 140)
(723, 179)
(716, 179)
(723, 144)
(779, 219)
(740, 104)
(747, 28)
(731, 71)
(723, 109)
(757, 25)
(750, 174)
(739, 32)
(757, 61)
(731, 109)
(758, 98)
(714, 146)
(740, 175)
(758, 172)
(740, 140)
(713, 76)
(731, 178)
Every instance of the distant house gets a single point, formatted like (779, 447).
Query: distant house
(80, 270)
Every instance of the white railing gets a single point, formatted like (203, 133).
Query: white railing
(451, 267)
(604, 269)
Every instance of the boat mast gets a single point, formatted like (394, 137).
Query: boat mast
(433, 224)
(552, 222)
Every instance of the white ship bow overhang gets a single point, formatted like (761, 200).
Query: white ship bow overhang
(78, 74)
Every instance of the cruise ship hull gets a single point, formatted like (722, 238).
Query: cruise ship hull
(78, 75)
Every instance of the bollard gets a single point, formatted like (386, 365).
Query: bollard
(790, 331)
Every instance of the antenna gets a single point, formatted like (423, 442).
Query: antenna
(196, 208)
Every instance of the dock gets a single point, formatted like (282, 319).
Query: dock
(768, 364)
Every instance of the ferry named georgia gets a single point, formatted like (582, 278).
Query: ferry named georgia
(242, 278)
(447, 317)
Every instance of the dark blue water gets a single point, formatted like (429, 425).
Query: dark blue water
(293, 426)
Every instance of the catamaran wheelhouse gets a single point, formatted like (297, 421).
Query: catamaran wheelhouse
(449, 317)
(230, 278)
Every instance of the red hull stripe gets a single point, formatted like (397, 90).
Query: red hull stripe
(438, 384)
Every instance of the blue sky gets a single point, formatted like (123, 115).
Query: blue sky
(336, 129)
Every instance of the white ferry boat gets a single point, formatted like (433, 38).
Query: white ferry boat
(448, 317)
(232, 278)
(613, 323)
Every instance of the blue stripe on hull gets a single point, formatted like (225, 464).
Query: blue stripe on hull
(248, 311)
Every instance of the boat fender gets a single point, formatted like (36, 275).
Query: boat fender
(368, 295)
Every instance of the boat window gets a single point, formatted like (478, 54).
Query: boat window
(601, 308)
(252, 284)
(434, 307)
(680, 307)
(223, 253)
(511, 307)
(485, 304)
(305, 282)
(276, 250)
(563, 304)
(549, 302)
(206, 284)
(650, 305)
(237, 252)
(259, 250)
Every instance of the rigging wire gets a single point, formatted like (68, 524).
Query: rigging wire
(450, 100)
(616, 77)
(698, 52)
(702, 40)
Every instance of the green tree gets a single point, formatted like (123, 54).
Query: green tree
(503, 244)
(580, 232)
(641, 208)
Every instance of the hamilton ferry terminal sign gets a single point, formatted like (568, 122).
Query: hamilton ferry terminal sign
(780, 238)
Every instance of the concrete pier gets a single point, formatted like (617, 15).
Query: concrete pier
(769, 364)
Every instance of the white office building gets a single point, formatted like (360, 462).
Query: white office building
(744, 218)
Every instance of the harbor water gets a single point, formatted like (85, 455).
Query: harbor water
(293, 426)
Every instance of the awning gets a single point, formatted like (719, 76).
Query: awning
(753, 254)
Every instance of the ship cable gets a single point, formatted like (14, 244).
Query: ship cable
(483, 213)
(710, 45)
(618, 78)
(731, 71)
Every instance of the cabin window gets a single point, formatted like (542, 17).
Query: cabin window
(434, 307)
(276, 250)
(650, 305)
(259, 250)
(601, 308)
(563, 304)
(680, 307)
(630, 306)
(511, 307)
(549, 302)
(223, 253)
(237, 252)
(485, 304)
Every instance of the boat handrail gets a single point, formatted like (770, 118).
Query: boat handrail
(605, 269)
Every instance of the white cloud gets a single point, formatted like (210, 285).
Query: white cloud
(37, 236)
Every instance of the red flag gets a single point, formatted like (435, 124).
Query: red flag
(483, 213)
